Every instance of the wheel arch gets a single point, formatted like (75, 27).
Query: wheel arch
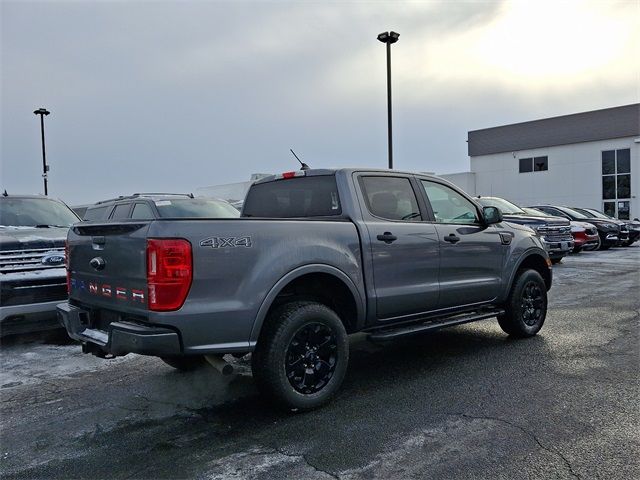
(534, 260)
(338, 292)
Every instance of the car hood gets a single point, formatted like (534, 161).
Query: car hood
(604, 221)
(575, 223)
(22, 238)
(535, 220)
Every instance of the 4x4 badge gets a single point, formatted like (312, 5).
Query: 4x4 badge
(226, 242)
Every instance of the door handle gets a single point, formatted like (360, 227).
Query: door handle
(452, 238)
(387, 237)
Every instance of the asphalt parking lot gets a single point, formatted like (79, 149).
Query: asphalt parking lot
(461, 403)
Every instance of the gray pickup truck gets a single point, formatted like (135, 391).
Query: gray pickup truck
(316, 255)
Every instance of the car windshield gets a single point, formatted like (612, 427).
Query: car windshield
(594, 214)
(195, 208)
(505, 206)
(535, 213)
(35, 212)
(572, 213)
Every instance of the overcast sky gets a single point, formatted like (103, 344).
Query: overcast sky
(172, 96)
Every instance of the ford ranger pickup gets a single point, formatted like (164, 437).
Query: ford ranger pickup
(315, 256)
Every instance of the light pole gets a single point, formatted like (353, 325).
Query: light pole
(45, 168)
(389, 38)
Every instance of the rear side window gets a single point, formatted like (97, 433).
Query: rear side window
(142, 211)
(121, 211)
(294, 197)
(97, 213)
(391, 198)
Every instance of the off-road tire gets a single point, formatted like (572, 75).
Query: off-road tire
(523, 316)
(271, 360)
(185, 363)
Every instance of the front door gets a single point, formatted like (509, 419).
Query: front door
(471, 253)
(404, 247)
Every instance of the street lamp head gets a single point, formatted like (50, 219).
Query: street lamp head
(388, 37)
(42, 111)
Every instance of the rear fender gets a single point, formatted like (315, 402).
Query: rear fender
(299, 272)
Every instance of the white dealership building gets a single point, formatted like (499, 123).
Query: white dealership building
(589, 159)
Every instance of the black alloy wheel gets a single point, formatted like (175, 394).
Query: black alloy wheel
(532, 303)
(526, 307)
(311, 358)
(302, 355)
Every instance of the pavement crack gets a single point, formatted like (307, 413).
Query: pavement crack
(529, 434)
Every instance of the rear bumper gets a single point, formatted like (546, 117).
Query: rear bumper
(33, 317)
(121, 338)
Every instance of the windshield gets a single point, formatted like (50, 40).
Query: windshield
(535, 213)
(35, 212)
(195, 208)
(507, 208)
(594, 214)
(572, 213)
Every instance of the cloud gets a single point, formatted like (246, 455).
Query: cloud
(176, 95)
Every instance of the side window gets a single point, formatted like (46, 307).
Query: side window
(142, 211)
(97, 213)
(391, 198)
(121, 211)
(448, 205)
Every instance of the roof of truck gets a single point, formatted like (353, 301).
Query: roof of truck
(313, 172)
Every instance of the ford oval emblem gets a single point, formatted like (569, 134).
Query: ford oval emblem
(53, 259)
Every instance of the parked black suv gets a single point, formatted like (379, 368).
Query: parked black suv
(33, 279)
(555, 231)
(609, 230)
(149, 206)
(631, 228)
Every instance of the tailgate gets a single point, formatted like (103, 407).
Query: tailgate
(108, 266)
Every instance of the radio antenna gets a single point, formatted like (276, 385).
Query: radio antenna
(303, 166)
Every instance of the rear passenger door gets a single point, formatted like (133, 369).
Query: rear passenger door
(404, 247)
(471, 253)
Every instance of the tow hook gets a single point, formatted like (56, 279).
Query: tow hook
(220, 364)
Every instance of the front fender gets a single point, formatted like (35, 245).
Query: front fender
(516, 263)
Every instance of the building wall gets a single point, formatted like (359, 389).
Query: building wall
(574, 176)
(465, 180)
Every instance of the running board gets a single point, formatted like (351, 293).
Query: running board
(389, 334)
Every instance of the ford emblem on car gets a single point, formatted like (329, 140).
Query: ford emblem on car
(53, 259)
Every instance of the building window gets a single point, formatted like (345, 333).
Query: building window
(534, 164)
(540, 164)
(526, 165)
(616, 182)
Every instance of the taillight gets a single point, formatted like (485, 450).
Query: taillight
(169, 273)
(67, 264)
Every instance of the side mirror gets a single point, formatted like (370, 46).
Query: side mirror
(491, 215)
